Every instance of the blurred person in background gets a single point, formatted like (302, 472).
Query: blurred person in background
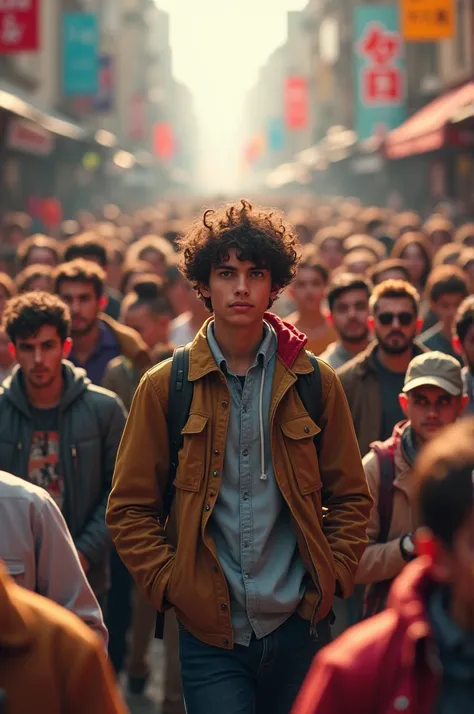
(148, 312)
(39, 553)
(348, 300)
(7, 291)
(373, 380)
(38, 250)
(446, 289)
(465, 235)
(57, 430)
(463, 342)
(415, 657)
(466, 263)
(97, 338)
(133, 271)
(185, 327)
(448, 254)
(415, 250)
(439, 231)
(432, 397)
(308, 290)
(35, 277)
(359, 261)
(330, 246)
(390, 269)
(178, 290)
(15, 227)
(155, 250)
(91, 246)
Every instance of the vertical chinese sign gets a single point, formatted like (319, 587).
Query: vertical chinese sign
(19, 26)
(380, 81)
(296, 102)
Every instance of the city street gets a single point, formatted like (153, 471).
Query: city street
(149, 703)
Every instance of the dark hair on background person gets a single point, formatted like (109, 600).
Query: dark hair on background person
(384, 266)
(131, 269)
(8, 285)
(394, 289)
(26, 314)
(80, 271)
(257, 234)
(344, 283)
(446, 280)
(309, 258)
(24, 280)
(150, 293)
(444, 480)
(37, 241)
(89, 246)
(464, 318)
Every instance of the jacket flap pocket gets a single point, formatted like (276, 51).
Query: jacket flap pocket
(15, 567)
(195, 424)
(302, 427)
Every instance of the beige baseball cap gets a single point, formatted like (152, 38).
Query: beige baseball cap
(435, 368)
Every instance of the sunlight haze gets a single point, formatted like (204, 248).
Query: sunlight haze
(218, 47)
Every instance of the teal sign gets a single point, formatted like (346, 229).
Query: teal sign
(80, 54)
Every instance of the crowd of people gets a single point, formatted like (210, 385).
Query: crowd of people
(263, 500)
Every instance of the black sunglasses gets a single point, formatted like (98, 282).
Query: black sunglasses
(404, 318)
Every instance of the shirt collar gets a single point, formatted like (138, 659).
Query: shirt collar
(265, 353)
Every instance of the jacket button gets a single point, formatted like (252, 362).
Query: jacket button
(226, 642)
(215, 569)
(216, 452)
(208, 508)
(306, 430)
(224, 404)
(224, 606)
(401, 704)
(215, 474)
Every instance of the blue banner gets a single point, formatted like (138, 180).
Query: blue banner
(80, 54)
(276, 134)
(104, 101)
(380, 78)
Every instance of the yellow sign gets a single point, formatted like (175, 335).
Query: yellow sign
(428, 20)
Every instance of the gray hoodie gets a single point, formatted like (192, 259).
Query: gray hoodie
(39, 553)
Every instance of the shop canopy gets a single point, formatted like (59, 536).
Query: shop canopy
(434, 126)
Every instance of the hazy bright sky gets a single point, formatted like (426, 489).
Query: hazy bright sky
(218, 47)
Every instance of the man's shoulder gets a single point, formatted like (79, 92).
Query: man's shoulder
(356, 365)
(13, 488)
(101, 398)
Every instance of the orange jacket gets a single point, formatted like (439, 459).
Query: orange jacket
(189, 576)
(50, 661)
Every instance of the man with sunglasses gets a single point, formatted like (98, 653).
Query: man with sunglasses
(432, 397)
(373, 380)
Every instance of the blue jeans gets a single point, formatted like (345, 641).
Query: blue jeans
(263, 678)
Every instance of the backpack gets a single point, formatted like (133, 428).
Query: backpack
(181, 390)
(376, 594)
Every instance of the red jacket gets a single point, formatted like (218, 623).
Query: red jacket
(385, 665)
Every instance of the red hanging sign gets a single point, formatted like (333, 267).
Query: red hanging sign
(163, 141)
(19, 26)
(296, 102)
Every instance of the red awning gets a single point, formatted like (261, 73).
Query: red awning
(425, 130)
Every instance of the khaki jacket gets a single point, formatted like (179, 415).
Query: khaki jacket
(383, 561)
(188, 574)
(50, 661)
(361, 384)
(130, 343)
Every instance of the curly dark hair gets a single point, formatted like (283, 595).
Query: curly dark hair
(258, 234)
(26, 314)
(80, 271)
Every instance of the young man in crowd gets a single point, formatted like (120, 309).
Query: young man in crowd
(463, 341)
(308, 291)
(432, 398)
(253, 572)
(97, 338)
(58, 431)
(39, 553)
(373, 380)
(50, 661)
(446, 288)
(348, 300)
(185, 327)
(416, 657)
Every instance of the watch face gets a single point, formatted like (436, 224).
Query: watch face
(409, 545)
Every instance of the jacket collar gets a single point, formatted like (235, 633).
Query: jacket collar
(290, 349)
(15, 623)
(366, 361)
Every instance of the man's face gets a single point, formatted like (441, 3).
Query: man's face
(83, 303)
(41, 256)
(349, 315)
(446, 308)
(240, 291)
(332, 252)
(40, 356)
(468, 347)
(153, 329)
(395, 324)
(429, 408)
(308, 289)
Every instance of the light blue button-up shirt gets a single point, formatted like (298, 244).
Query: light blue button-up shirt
(251, 523)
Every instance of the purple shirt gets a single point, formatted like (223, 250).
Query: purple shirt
(106, 349)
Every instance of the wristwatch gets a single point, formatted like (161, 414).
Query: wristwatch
(407, 547)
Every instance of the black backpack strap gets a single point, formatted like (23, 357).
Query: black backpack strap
(179, 404)
(310, 392)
